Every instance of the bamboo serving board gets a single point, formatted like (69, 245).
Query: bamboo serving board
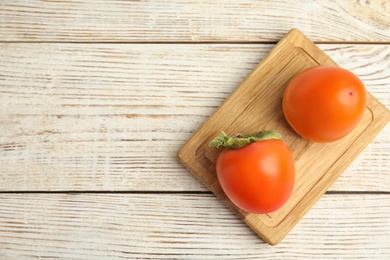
(256, 105)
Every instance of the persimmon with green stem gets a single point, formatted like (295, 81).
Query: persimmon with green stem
(256, 171)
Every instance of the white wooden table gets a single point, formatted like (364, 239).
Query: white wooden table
(96, 98)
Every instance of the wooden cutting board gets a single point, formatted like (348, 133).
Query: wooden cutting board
(256, 105)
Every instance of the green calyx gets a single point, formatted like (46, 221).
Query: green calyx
(238, 141)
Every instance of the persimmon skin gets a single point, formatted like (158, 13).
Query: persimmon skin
(259, 177)
(324, 103)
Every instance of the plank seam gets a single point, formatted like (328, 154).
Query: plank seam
(192, 43)
(171, 192)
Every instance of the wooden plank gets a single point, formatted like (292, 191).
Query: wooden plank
(144, 226)
(97, 117)
(193, 21)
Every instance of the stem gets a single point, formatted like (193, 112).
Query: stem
(238, 141)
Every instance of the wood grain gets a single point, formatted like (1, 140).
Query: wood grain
(76, 114)
(112, 116)
(193, 21)
(174, 226)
